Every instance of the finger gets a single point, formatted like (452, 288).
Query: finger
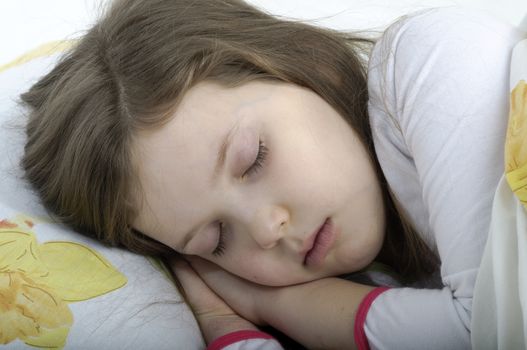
(187, 277)
(179, 268)
(202, 266)
(200, 297)
(214, 316)
(241, 295)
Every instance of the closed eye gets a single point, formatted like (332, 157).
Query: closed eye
(220, 247)
(259, 161)
(253, 169)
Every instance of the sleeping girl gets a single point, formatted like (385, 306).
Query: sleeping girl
(273, 156)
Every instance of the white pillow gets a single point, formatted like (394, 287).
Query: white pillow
(61, 289)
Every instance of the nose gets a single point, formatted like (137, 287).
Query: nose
(269, 226)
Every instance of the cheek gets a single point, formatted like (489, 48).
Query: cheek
(305, 177)
(350, 258)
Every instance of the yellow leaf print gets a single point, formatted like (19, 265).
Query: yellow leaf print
(78, 272)
(516, 143)
(28, 308)
(37, 281)
(50, 338)
(17, 251)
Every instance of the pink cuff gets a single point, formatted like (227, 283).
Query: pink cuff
(358, 333)
(234, 337)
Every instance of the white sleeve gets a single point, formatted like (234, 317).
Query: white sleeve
(245, 340)
(438, 85)
(254, 344)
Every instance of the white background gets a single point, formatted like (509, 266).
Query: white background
(25, 24)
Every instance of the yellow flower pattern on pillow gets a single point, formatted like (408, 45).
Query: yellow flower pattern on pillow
(516, 143)
(38, 281)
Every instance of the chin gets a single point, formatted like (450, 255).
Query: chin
(357, 264)
(284, 281)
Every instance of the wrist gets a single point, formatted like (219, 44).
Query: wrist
(238, 336)
(275, 301)
(217, 326)
(265, 304)
(301, 311)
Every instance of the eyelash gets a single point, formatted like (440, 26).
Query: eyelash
(253, 169)
(260, 159)
(220, 248)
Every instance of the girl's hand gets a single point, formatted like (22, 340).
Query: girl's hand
(245, 297)
(319, 314)
(214, 316)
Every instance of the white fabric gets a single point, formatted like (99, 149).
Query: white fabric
(501, 292)
(255, 344)
(439, 90)
(500, 310)
(25, 24)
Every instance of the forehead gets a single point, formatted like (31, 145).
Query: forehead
(204, 115)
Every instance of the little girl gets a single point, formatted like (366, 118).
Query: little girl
(265, 153)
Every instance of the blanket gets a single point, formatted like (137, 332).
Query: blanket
(499, 314)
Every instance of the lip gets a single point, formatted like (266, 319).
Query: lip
(319, 244)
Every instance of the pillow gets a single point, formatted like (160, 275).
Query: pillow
(59, 289)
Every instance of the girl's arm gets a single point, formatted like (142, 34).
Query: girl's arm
(318, 314)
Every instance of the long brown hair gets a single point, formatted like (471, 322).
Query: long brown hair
(130, 71)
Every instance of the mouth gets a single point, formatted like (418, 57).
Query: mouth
(320, 243)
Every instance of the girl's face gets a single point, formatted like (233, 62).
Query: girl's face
(265, 179)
